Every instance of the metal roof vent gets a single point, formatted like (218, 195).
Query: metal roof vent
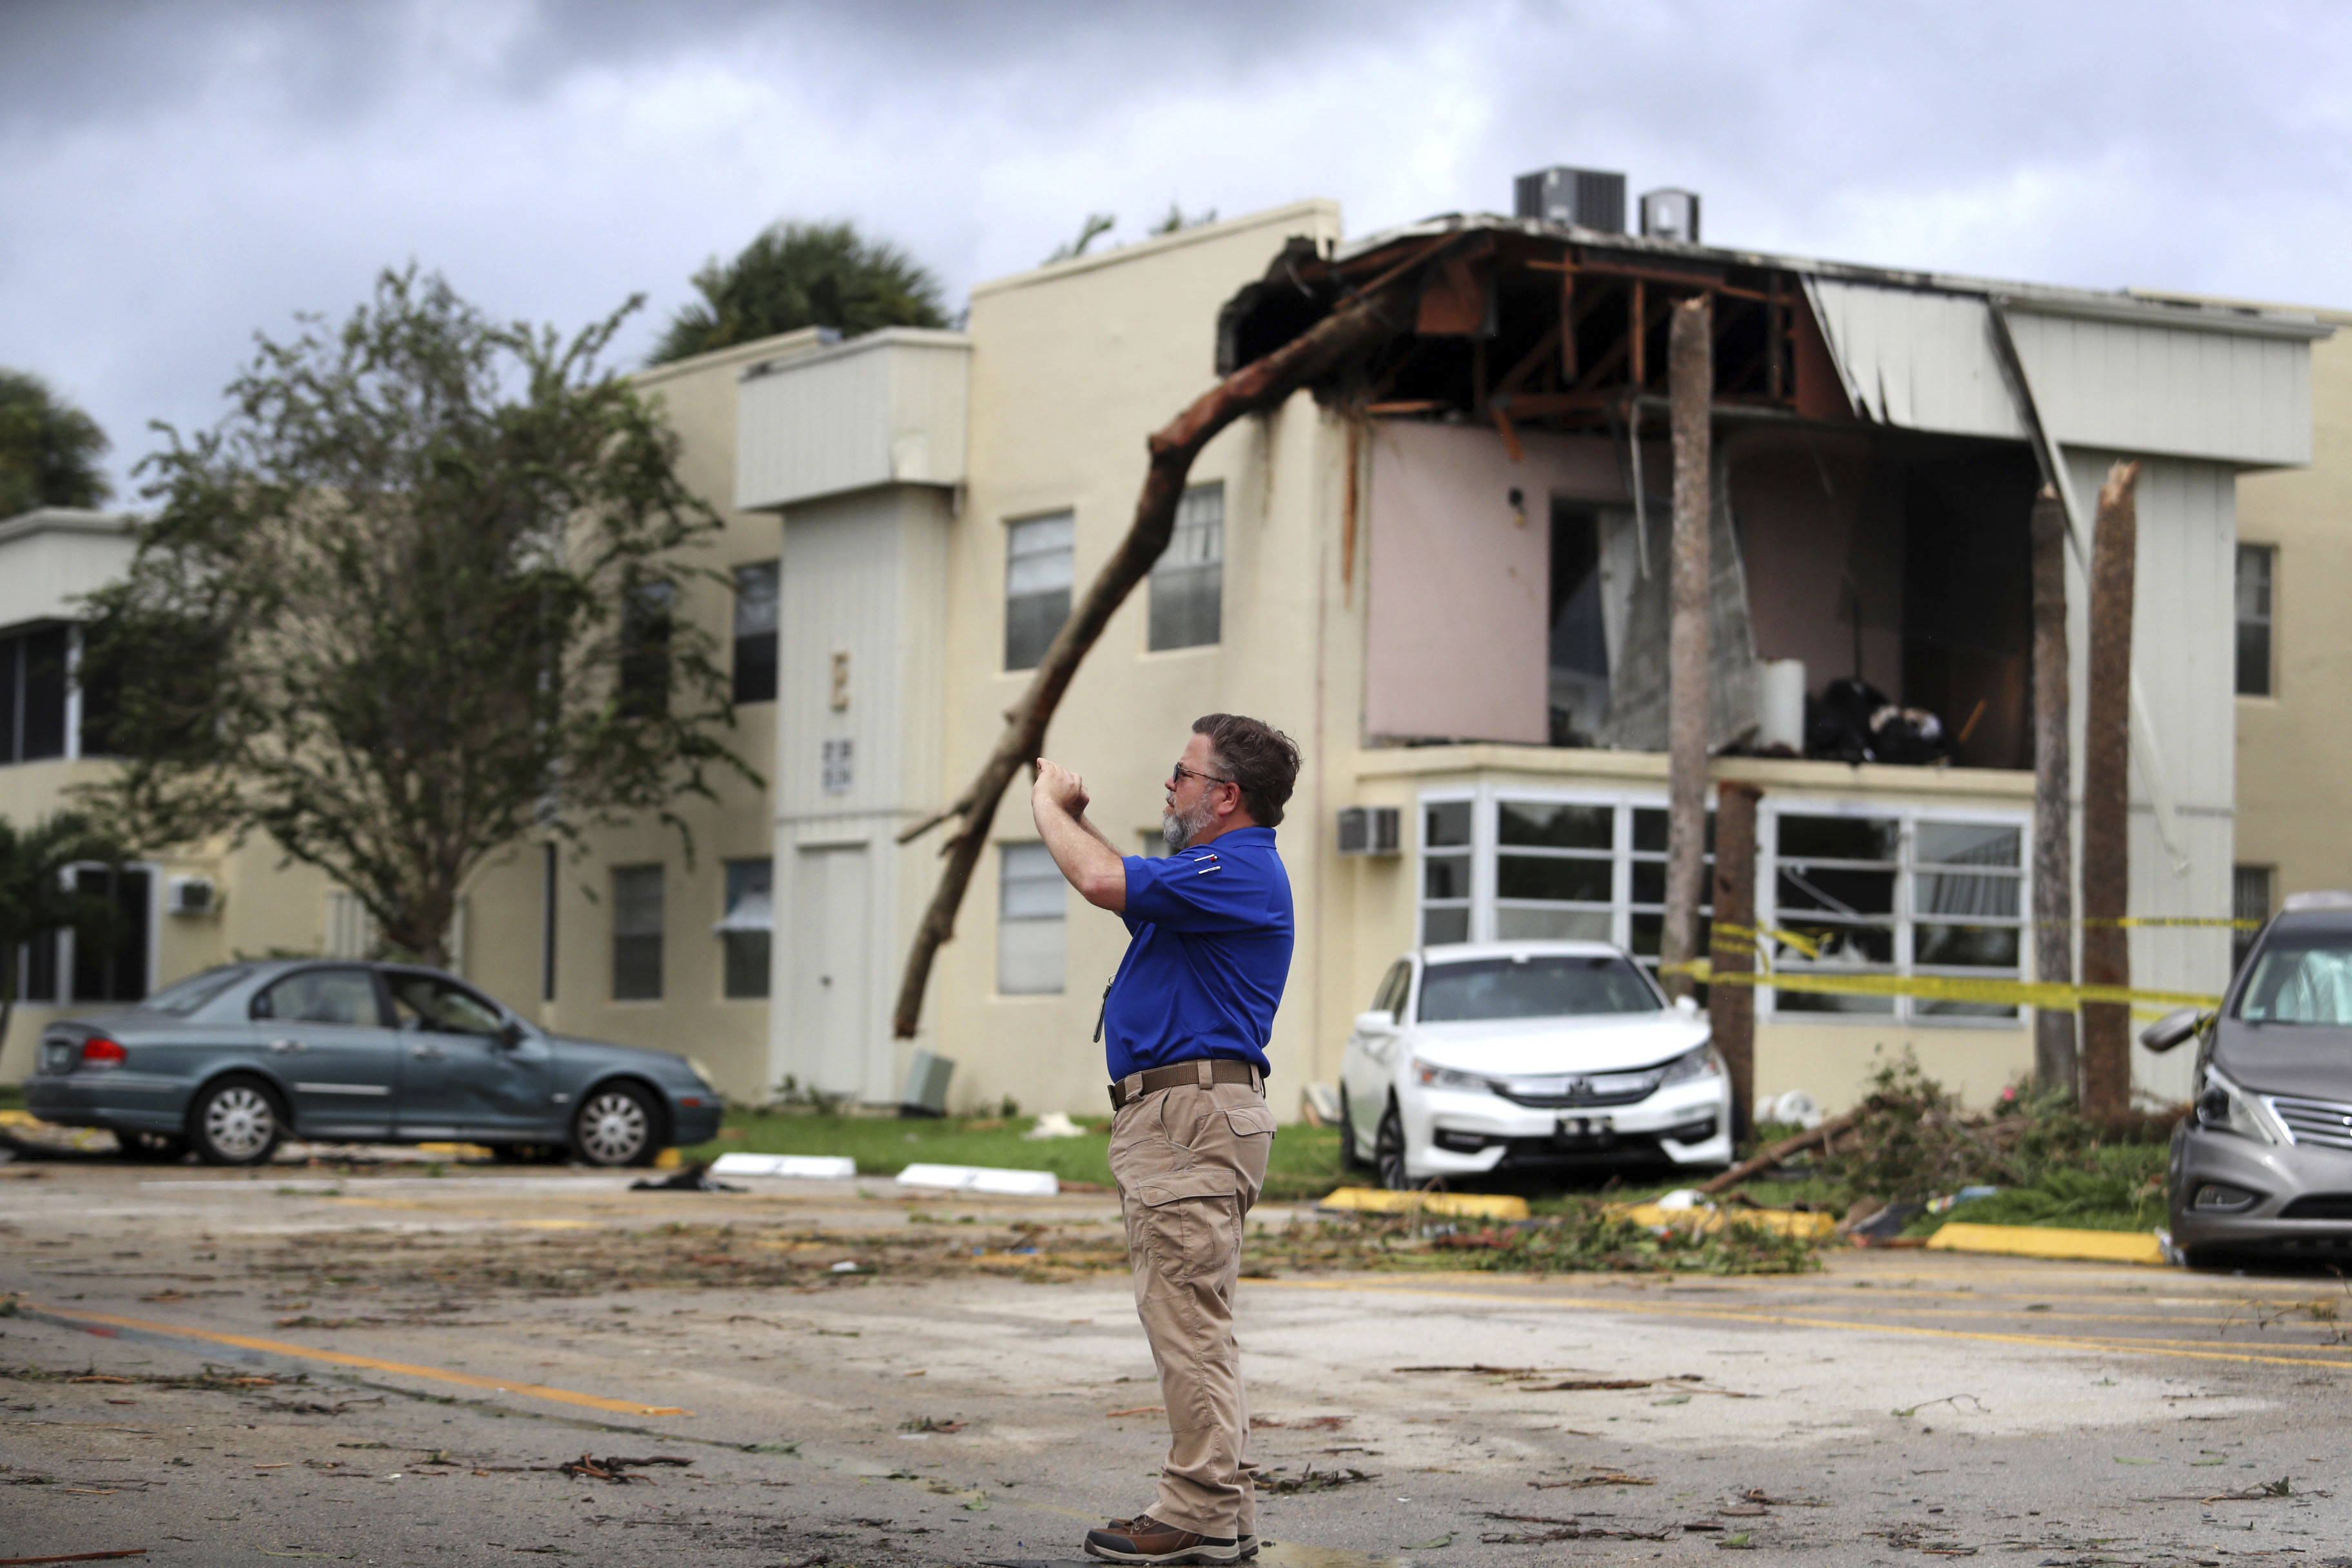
(1669, 214)
(1587, 198)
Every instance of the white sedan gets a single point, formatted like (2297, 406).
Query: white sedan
(1529, 1055)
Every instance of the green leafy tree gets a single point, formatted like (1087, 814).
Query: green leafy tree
(411, 601)
(48, 448)
(798, 275)
(36, 899)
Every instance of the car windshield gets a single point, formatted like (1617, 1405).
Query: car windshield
(186, 996)
(2300, 985)
(1553, 985)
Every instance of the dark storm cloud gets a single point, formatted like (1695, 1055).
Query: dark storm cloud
(180, 175)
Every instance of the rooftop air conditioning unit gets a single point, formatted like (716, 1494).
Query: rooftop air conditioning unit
(1367, 830)
(1669, 214)
(191, 896)
(1586, 198)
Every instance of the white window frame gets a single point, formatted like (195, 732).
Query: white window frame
(1905, 1011)
(1486, 848)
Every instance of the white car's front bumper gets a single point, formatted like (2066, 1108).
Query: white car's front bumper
(1456, 1131)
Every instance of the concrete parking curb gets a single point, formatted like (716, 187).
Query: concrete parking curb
(2034, 1241)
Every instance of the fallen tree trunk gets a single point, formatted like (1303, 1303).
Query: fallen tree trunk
(1378, 311)
(1783, 1149)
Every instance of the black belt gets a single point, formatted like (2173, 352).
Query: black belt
(1205, 1070)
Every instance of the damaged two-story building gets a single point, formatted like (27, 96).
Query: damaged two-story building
(1442, 569)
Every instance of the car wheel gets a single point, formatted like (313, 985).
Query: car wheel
(1349, 1160)
(151, 1146)
(236, 1121)
(617, 1126)
(1388, 1153)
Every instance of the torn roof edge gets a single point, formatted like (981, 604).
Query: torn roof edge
(2140, 307)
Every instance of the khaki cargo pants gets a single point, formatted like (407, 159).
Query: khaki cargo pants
(1189, 1162)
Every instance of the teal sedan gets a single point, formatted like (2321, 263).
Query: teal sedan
(231, 1061)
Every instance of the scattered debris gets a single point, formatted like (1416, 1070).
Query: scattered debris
(696, 1178)
(1310, 1480)
(1303, 1424)
(928, 1424)
(613, 1468)
(74, 1557)
(1600, 1478)
(1138, 1410)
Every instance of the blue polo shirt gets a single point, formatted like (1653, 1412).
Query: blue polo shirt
(1211, 937)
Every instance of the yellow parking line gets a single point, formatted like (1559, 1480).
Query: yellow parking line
(2045, 1342)
(337, 1358)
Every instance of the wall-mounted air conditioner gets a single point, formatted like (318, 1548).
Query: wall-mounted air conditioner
(1367, 830)
(193, 896)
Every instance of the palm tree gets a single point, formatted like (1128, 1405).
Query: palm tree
(36, 895)
(800, 275)
(48, 448)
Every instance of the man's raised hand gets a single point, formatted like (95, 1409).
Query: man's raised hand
(1059, 786)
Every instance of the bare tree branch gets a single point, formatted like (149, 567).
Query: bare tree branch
(1375, 313)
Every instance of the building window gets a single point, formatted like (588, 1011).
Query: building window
(1894, 893)
(646, 628)
(549, 858)
(34, 676)
(2256, 563)
(1446, 853)
(755, 633)
(2250, 900)
(1188, 583)
(636, 933)
(1032, 902)
(1040, 564)
(111, 966)
(744, 932)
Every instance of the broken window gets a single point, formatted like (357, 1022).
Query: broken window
(1580, 639)
(1188, 583)
(1040, 565)
(1894, 893)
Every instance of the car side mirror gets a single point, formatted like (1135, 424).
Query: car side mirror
(1686, 1005)
(511, 1033)
(1380, 1023)
(2181, 1023)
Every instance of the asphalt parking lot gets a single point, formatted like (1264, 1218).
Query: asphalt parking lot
(230, 1367)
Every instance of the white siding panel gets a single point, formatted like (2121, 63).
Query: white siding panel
(2182, 631)
(1918, 358)
(888, 408)
(2145, 387)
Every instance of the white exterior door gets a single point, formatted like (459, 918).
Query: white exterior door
(829, 938)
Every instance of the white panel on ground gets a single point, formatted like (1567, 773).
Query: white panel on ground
(983, 1178)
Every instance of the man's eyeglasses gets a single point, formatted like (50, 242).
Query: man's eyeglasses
(1180, 773)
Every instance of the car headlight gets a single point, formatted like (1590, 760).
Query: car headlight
(1699, 1061)
(2223, 1106)
(696, 1066)
(1429, 1075)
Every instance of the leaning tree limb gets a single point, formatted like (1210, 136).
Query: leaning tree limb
(1371, 316)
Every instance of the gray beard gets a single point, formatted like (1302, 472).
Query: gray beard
(1177, 827)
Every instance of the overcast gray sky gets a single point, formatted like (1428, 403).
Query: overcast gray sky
(177, 176)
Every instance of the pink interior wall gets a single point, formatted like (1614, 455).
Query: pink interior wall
(1801, 537)
(1460, 592)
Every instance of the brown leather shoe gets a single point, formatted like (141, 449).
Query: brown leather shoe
(1248, 1543)
(1145, 1539)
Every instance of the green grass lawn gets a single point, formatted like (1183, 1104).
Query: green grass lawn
(1305, 1158)
(12, 1097)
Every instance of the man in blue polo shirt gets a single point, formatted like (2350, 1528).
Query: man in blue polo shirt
(1185, 1023)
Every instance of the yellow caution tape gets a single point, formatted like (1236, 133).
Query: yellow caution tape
(2048, 994)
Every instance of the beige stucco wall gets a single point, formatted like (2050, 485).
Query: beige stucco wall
(2294, 747)
(1072, 367)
